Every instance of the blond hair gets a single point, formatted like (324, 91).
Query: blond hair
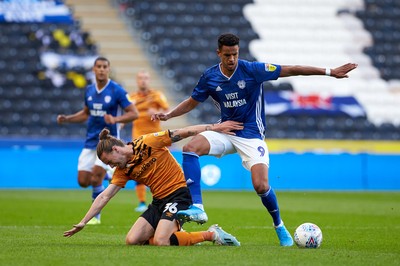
(107, 142)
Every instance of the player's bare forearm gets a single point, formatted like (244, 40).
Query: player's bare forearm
(97, 205)
(227, 127)
(79, 117)
(182, 108)
(100, 201)
(126, 117)
(287, 71)
(338, 72)
(130, 113)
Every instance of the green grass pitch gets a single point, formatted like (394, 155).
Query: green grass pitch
(359, 228)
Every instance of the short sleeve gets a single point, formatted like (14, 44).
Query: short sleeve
(123, 98)
(119, 178)
(158, 140)
(200, 92)
(266, 71)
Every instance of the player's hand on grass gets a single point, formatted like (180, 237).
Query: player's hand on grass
(74, 230)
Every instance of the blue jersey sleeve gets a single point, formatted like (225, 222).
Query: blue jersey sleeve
(86, 95)
(266, 71)
(200, 92)
(123, 98)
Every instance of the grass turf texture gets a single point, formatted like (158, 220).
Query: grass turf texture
(358, 229)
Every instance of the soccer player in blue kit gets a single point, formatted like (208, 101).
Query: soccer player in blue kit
(103, 103)
(235, 86)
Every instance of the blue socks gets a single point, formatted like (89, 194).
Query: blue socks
(191, 169)
(271, 203)
(95, 192)
(107, 177)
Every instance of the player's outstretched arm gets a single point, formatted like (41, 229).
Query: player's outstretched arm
(130, 113)
(74, 230)
(182, 108)
(78, 117)
(97, 205)
(341, 72)
(338, 72)
(227, 127)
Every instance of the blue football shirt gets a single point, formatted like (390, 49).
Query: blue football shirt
(110, 100)
(239, 97)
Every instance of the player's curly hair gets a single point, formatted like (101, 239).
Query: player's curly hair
(227, 39)
(107, 142)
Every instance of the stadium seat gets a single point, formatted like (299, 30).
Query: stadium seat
(181, 35)
(29, 104)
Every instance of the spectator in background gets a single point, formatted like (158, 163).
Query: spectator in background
(103, 103)
(236, 86)
(148, 160)
(148, 102)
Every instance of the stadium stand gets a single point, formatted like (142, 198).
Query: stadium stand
(381, 19)
(43, 65)
(330, 34)
(43, 70)
(182, 35)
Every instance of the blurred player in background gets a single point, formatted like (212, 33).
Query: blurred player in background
(236, 87)
(148, 160)
(103, 103)
(147, 102)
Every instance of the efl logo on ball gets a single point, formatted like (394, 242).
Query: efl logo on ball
(308, 235)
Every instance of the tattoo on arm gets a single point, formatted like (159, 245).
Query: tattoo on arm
(176, 138)
(191, 133)
(179, 134)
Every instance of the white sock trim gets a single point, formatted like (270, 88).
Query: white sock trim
(199, 205)
(279, 225)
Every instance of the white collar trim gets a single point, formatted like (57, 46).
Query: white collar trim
(100, 91)
(219, 65)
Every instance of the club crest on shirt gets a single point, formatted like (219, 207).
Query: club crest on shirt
(241, 84)
(90, 98)
(270, 68)
(107, 99)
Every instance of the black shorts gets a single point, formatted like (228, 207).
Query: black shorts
(167, 207)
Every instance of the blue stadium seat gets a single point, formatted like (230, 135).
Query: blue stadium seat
(181, 33)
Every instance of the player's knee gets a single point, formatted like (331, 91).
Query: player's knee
(261, 188)
(84, 179)
(196, 148)
(97, 179)
(160, 241)
(84, 183)
(131, 241)
(189, 147)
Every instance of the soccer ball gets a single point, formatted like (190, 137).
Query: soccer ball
(308, 235)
